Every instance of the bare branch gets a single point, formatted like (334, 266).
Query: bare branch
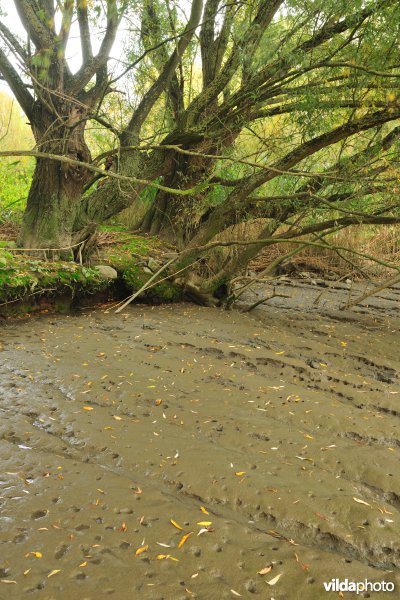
(16, 84)
(165, 76)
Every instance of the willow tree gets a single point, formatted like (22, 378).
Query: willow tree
(313, 83)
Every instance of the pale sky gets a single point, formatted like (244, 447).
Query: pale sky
(73, 51)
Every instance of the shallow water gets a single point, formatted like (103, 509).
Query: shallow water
(282, 425)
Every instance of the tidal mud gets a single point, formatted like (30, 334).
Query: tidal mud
(272, 438)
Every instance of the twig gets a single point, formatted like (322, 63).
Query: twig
(274, 295)
(379, 288)
(146, 285)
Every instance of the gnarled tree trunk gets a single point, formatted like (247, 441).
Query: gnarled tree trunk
(56, 187)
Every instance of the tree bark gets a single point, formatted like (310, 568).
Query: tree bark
(56, 188)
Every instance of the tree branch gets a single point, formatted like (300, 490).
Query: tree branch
(16, 84)
(161, 83)
(41, 35)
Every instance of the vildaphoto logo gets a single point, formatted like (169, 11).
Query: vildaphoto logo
(335, 585)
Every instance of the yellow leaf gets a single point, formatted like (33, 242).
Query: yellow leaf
(308, 437)
(7, 581)
(158, 402)
(184, 538)
(54, 572)
(37, 554)
(175, 524)
(204, 523)
(88, 408)
(265, 570)
(27, 571)
(166, 556)
(240, 473)
(117, 418)
(142, 549)
(83, 564)
(204, 510)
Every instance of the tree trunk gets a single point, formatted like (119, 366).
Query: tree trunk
(51, 207)
(56, 188)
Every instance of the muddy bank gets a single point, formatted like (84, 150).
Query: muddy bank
(273, 435)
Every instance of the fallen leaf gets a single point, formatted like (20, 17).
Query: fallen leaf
(175, 524)
(158, 402)
(240, 473)
(184, 538)
(164, 545)
(274, 580)
(361, 501)
(88, 408)
(7, 581)
(53, 572)
(265, 570)
(236, 593)
(204, 510)
(123, 527)
(141, 550)
(204, 523)
(117, 418)
(84, 564)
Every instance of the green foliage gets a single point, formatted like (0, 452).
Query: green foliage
(15, 173)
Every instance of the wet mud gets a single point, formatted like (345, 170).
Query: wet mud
(182, 452)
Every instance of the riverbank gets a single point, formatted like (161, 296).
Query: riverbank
(270, 438)
(119, 268)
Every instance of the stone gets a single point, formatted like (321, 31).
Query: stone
(107, 272)
(153, 265)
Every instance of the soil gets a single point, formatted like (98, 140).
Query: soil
(176, 452)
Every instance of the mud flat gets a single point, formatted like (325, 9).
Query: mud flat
(176, 452)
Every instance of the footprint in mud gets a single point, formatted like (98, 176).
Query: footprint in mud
(61, 551)
(39, 514)
(82, 527)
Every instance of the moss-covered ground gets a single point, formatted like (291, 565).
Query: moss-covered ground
(26, 282)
